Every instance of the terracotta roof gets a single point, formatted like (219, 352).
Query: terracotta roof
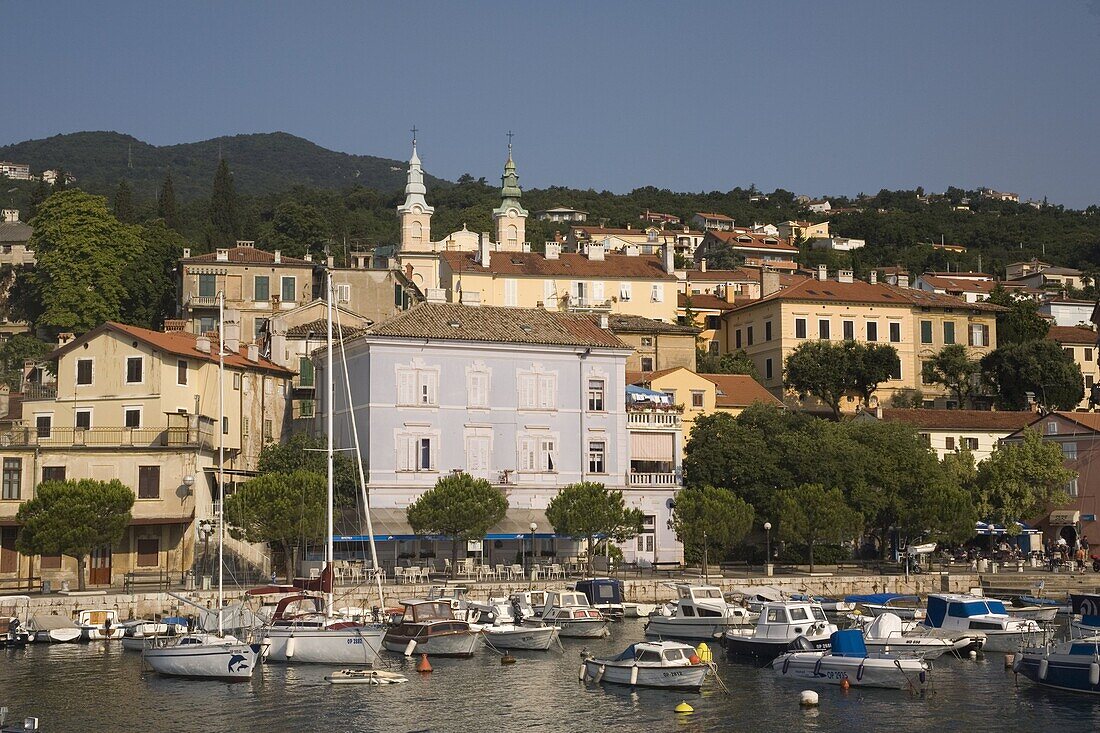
(1072, 335)
(319, 327)
(1007, 421)
(859, 291)
(713, 215)
(180, 343)
(641, 324)
(962, 275)
(703, 301)
(953, 284)
(635, 232)
(745, 274)
(647, 377)
(456, 322)
(1090, 420)
(249, 256)
(1051, 271)
(568, 264)
(15, 231)
(740, 390)
(756, 240)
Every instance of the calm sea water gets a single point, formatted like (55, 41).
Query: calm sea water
(99, 687)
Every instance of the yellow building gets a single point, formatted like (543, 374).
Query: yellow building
(139, 406)
(632, 284)
(794, 231)
(916, 323)
(1080, 343)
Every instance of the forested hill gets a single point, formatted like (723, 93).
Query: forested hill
(262, 163)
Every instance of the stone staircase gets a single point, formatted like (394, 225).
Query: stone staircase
(1055, 585)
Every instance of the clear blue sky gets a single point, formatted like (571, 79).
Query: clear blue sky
(816, 97)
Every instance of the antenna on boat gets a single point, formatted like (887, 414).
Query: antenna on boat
(221, 461)
(329, 409)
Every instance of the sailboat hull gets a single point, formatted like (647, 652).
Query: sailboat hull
(229, 662)
(356, 645)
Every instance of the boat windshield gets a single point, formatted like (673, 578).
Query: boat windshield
(968, 609)
(708, 593)
(674, 655)
(799, 614)
(996, 607)
(776, 616)
(819, 615)
(430, 611)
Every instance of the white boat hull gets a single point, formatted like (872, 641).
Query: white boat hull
(1013, 641)
(618, 673)
(677, 627)
(532, 638)
(638, 610)
(98, 633)
(359, 645)
(1035, 613)
(365, 677)
(891, 673)
(57, 636)
(911, 647)
(591, 628)
(231, 662)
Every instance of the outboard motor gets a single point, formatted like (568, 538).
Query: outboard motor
(801, 644)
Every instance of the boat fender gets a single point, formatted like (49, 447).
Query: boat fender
(410, 647)
(634, 675)
(704, 653)
(817, 667)
(923, 676)
(599, 673)
(290, 644)
(1043, 666)
(1016, 664)
(583, 674)
(859, 671)
(1094, 674)
(786, 663)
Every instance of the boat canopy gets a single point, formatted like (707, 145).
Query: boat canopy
(848, 643)
(601, 590)
(1088, 606)
(879, 599)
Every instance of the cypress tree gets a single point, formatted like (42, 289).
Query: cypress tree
(39, 193)
(223, 208)
(166, 204)
(124, 203)
(61, 181)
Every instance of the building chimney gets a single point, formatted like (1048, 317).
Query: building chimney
(9, 216)
(246, 243)
(669, 259)
(874, 277)
(202, 343)
(223, 255)
(330, 262)
(703, 265)
(729, 293)
(278, 257)
(632, 250)
(253, 353)
(903, 280)
(553, 249)
(232, 336)
(175, 325)
(308, 257)
(484, 254)
(186, 253)
(822, 272)
(65, 338)
(595, 251)
(769, 282)
(5, 404)
(844, 276)
(435, 295)
(605, 322)
(470, 297)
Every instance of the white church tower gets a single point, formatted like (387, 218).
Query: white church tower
(510, 217)
(415, 214)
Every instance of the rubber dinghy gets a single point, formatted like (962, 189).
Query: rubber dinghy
(848, 659)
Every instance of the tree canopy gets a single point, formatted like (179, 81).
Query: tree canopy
(20, 348)
(223, 208)
(1021, 322)
(953, 368)
(737, 362)
(716, 516)
(811, 514)
(1040, 367)
(303, 452)
(1022, 481)
(829, 370)
(588, 509)
(124, 203)
(286, 510)
(74, 518)
(460, 507)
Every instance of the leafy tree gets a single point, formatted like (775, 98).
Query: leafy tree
(1022, 321)
(868, 366)
(166, 204)
(297, 229)
(1021, 481)
(811, 514)
(39, 194)
(223, 208)
(735, 363)
(124, 203)
(303, 452)
(953, 368)
(74, 518)
(1039, 367)
(459, 506)
(907, 398)
(20, 348)
(83, 254)
(62, 180)
(587, 509)
(150, 288)
(285, 510)
(820, 369)
(716, 516)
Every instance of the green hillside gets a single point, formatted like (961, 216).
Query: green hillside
(262, 163)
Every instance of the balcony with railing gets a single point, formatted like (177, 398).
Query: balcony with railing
(202, 301)
(585, 304)
(653, 418)
(39, 391)
(106, 437)
(660, 479)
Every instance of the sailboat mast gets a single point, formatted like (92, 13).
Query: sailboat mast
(221, 461)
(330, 407)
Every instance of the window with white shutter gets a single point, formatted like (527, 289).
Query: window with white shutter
(510, 292)
(406, 387)
(658, 294)
(477, 455)
(597, 291)
(624, 292)
(549, 293)
(428, 388)
(548, 455)
(477, 387)
(528, 454)
(417, 387)
(548, 397)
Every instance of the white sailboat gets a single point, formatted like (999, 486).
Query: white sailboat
(208, 655)
(321, 637)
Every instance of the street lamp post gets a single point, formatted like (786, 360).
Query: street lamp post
(534, 526)
(768, 549)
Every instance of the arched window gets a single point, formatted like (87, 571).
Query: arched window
(513, 237)
(416, 233)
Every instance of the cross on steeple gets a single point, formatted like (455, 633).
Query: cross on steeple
(413, 131)
(510, 134)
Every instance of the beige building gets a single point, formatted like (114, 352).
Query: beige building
(15, 255)
(656, 344)
(916, 323)
(140, 406)
(631, 284)
(373, 293)
(949, 431)
(1081, 344)
(794, 231)
(755, 247)
(257, 285)
(648, 240)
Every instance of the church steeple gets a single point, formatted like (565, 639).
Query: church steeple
(415, 214)
(510, 216)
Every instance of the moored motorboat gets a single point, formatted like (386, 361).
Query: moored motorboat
(632, 609)
(53, 629)
(1086, 615)
(663, 664)
(301, 632)
(137, 634)
(605, 595)
(99, 624)
(779, 624)
(528, 604)
(12, 633)
(901, 605)
(848, 659)
(502, 632)
(428, 627)
(886, 634)
(1073, 665)
(570, 613)
(700, 612)
(969, 613)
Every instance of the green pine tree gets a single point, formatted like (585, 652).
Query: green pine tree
(62, 180)
(39, 193)
(223, 208)
(124, 203)
(166, 204)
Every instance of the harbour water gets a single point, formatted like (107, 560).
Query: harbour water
(92, 688)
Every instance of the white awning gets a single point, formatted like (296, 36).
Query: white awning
(652, 446)
(1064, 517)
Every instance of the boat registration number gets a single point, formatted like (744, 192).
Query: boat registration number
(355, 640)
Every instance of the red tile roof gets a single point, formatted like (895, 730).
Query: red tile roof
(249, 256)
(703, 301)
(640, 231)
(1000, 421)
(755, 240)
(712, 215)
(180, 343)
(568, 264)
(858, 291)
(740, 390)
(1072, 335)
(958, 284)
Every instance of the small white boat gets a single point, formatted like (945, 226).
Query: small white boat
(1020, 608)
(886, 634)
(875, 604)
(848, 659)
(700, 612)
(605, 595)
(502, 632)
(202, 655)
(965, 613)
(428, 627)
(301, 632)
(663, 664)
(99, 624)
(638, 610)
(570, 613)
(365, 677)
(780, 623)
(529, 603)
(53, 629)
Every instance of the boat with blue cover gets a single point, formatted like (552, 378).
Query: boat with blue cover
(848, 659)
(605, 595)
(901, 605)
(1003, 632)
(1072, 665)
(1086, 615)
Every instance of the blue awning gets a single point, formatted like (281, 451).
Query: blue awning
(392, 525)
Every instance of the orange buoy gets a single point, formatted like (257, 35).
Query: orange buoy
(845, 684)
(423, 666)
